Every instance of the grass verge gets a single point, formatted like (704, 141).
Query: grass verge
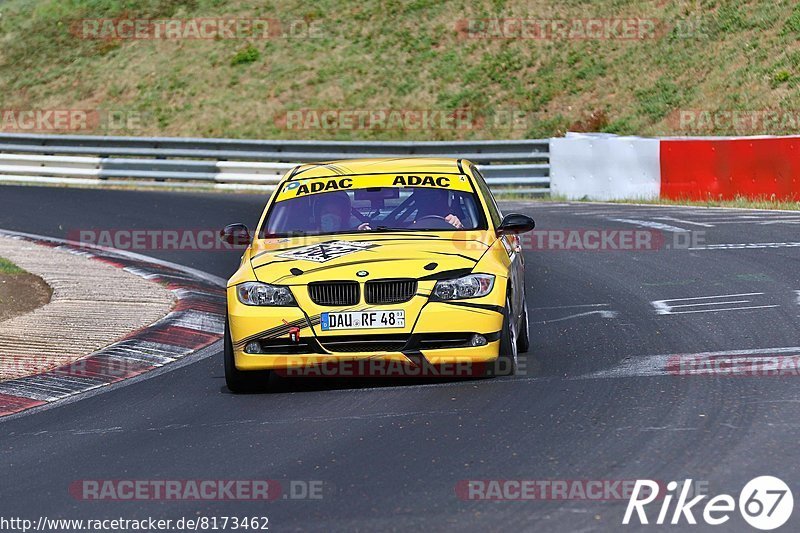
(703, 63)
(9, 268)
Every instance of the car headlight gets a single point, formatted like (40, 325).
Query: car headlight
(472, 286)
(256, 293)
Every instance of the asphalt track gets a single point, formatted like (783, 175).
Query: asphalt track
(597, 400)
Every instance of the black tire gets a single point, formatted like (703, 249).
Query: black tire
(523, 340)
(506, 364)
(237, 380)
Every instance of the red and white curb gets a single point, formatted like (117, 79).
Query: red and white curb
(195, 322)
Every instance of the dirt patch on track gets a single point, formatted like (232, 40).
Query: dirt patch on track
(21, 293)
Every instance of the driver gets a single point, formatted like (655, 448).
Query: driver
(434, 203)
(332, 212)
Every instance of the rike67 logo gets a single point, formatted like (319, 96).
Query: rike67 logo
(765, 503)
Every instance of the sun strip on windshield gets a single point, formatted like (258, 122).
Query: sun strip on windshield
(307, 187)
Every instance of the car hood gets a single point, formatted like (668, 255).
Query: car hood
(427, 255)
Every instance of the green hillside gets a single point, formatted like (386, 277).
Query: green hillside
(406, 58)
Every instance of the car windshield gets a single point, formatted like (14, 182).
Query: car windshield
(374, 209)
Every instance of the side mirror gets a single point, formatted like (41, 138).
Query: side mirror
(235, 234)
(515, 223)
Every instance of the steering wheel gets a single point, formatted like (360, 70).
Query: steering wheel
(438, 222)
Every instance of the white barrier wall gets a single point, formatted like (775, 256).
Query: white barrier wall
(604, 167)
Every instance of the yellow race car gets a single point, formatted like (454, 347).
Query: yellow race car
(373, 265)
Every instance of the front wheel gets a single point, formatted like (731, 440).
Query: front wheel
(506, 364)
(237, 380)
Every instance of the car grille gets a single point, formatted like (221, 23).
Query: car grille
(333, 292)
(389, 291)
(364, 343)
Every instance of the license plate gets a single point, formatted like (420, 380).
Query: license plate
(363, 320)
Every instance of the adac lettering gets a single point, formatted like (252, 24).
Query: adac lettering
(427, 181)
(319, 186)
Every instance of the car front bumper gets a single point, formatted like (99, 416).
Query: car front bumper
(435, 334)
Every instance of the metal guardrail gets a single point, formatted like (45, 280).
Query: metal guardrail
(509, 166)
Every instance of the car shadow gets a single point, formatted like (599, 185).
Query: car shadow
(284, 385)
